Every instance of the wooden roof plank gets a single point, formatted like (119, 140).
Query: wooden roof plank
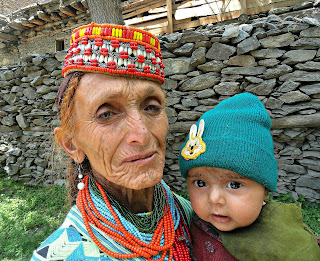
(68, 10)
(143, 19)
(145, 7)
(205, 10)
(251, 9)
(78, 6)
(142, 10)
(35, 20)
(44, 16)
(8, 37)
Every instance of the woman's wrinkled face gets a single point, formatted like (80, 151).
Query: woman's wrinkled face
(121, 126)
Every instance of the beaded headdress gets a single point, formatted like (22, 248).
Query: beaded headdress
(116, 50)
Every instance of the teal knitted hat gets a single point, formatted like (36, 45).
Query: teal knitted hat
(236, 136)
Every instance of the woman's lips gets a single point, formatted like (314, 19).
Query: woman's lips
(220, 218)
(140, 158)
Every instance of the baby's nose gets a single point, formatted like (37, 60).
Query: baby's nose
(216, 196)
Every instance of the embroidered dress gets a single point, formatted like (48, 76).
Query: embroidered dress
(71, 241)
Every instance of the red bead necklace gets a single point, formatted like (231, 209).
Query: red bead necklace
(177, 248)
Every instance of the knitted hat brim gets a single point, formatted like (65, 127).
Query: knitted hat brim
(250, 155)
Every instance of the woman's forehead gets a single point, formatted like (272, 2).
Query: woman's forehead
(96, 86)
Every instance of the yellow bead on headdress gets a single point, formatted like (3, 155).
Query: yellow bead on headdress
(116, 50)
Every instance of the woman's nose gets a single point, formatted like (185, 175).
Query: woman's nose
(216, 196)
(138, 130)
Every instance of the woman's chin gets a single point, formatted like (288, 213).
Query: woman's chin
(146, 180)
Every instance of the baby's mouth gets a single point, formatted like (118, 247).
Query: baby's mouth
(220, 218)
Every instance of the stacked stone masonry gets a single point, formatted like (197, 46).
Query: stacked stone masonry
(275, 56)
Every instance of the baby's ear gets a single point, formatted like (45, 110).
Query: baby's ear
(266, 193)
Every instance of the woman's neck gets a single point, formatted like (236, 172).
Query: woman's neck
(137, 201)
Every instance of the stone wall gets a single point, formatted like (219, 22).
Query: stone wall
(28, 115)
(275, 57)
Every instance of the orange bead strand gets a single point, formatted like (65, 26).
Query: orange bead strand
(171, 247)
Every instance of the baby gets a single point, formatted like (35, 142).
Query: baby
(230, 168)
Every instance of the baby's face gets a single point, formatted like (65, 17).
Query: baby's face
(224, 198)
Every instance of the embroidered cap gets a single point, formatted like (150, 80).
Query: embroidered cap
(115, 49)
(236, 136)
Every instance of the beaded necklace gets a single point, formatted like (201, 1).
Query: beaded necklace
(145, 223)
(166, 239)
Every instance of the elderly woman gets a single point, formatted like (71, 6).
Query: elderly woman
(114, 126)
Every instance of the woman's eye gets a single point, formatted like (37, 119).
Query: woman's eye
(234, 185)
(153, 108)
(200, 183)
(105, 115)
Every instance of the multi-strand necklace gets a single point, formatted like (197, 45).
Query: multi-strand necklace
(165, 240)
(145, 223)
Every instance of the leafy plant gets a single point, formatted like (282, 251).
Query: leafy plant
(310, 210)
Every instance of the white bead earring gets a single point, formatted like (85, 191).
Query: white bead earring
(80, 176)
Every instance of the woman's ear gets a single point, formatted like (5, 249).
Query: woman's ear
(67, 143)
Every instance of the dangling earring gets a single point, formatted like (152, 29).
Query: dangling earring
(264, 203)
(80, 176)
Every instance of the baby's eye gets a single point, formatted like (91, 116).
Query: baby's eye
(234, 185)
(200, 183)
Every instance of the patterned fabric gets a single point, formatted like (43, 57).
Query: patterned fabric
(71, 240)
(206, 243)
(115, 49)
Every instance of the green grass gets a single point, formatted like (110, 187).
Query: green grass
(28, 215)
(310, 210)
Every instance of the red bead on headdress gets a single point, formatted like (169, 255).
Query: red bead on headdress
(116, 50)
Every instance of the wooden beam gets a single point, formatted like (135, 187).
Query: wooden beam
(8, 37)
(158, 10)
(243, 4)
(35, 20)
(44, 16)
(55, 16)
(78, 6)
(145, 4)
(143, 19)
(160, 30)
(153, 24)
(252, 9)
(187, 23)
(26, 23)
(68, 10)
(206, 10)
(187, 4)
(16, 24)
(136, 5)
(142, 10)
(85, 4)
(169, 15)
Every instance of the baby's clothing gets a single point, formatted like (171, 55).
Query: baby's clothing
(278, 234)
